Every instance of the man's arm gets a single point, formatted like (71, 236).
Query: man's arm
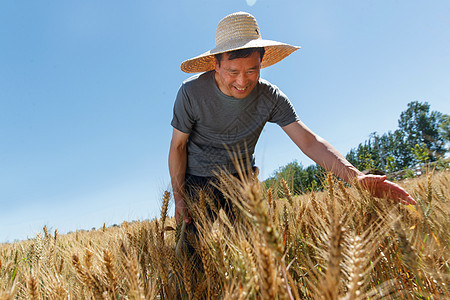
(177, 170)
(330, 159)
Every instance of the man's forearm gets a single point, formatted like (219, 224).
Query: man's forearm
(331, 160)
(177, 170)
(321, 151)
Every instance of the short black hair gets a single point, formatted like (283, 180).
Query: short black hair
(241, 53)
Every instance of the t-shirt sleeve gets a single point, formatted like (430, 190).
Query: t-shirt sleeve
(283, 112)
(183, 115)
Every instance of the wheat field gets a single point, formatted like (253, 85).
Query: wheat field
(340, 243)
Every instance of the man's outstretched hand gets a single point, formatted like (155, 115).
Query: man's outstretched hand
(379, 187)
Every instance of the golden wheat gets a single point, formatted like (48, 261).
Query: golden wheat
(335, 244)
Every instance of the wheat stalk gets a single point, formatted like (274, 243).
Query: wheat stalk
(268, 274)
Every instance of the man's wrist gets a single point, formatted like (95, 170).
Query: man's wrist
(353, 174)
(179, 200)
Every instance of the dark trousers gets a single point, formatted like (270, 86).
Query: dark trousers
(194, 184)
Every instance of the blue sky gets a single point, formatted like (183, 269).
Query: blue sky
(87, 90)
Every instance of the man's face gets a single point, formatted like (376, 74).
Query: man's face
(239, 76)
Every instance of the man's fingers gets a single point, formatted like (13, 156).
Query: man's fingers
(412, 200)
(403, 197)
(378, 186)
(187, 217)
(408, 200)
(182, 214)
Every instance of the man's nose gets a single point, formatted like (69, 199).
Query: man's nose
(241, 79)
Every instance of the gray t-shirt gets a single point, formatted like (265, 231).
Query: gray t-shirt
(219, 125)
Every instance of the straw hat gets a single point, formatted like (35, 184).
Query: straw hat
(238, 31)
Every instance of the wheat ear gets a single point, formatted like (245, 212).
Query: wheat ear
(287, 192)
(187, 273)
(355, 268)
(110, 271)
(164, 208)
(33, 292)
(330, 283)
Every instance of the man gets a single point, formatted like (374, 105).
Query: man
(226, 107)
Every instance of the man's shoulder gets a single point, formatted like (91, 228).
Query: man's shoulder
(266, 84)
(269, 89)
(197, 80)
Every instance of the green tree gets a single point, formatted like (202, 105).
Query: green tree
(394, 146)
(298, 178)
(421, 153)
(391, 165)
(395, 151)
(366, 156)
(444, 127)
(422, 127)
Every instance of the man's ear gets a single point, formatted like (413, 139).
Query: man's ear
(216, 64)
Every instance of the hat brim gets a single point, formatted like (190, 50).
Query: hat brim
(274, 52)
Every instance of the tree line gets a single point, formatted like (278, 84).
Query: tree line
(422, 137)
